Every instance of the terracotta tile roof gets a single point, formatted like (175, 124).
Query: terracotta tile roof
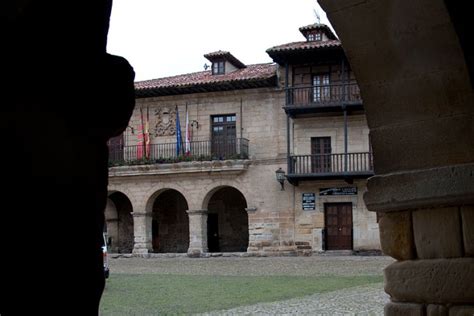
(318, 26)
(301, 46)
(252, 76)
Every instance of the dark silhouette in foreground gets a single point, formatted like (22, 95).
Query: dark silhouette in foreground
(62, 98)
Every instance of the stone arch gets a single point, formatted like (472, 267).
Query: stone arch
(209, 190)
(227, 220)
(169, 222)
(119, 222)
(154, 191)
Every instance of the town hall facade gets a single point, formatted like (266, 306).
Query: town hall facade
(264, 159)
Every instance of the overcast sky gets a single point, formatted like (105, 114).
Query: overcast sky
(165, 38)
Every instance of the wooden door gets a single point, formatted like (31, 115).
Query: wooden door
(338, 221)
(223, 136)
(321, 154)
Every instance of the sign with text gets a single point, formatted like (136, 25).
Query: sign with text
(309, 201)
(338, 191)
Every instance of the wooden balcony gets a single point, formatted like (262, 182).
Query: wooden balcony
(330, 166)
(323, 98)
(207, 150)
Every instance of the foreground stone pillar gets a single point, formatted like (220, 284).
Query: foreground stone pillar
(418, 97)
(142, 233)
(197, 232)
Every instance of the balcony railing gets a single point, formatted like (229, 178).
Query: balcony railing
(331, 165)
(216, 149)
(325, 95)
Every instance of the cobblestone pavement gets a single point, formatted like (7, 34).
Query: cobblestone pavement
(360, 300)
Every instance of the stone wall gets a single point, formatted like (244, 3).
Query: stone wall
(331, 126)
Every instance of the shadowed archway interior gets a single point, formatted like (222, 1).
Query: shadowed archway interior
(227, 221)
(170, 223)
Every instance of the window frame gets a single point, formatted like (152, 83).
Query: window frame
(218, 67)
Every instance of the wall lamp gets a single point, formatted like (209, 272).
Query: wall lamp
(280, 176)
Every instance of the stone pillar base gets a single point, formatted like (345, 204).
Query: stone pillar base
(195, 253)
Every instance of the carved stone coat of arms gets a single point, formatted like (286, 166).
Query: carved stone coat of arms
(165, 121)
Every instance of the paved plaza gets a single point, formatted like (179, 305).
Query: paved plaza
(360, 300)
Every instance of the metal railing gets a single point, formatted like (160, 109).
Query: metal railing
(323, 95)
(215, 149)
(327, 164)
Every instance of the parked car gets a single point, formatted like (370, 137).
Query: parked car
(105, 256)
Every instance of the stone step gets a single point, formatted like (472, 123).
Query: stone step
(304, 247)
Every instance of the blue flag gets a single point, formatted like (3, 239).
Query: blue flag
(178, 134)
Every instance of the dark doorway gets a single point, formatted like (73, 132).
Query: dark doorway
(155, 236)
(338, 221)
(213, 232)
(170, 223)
(120, 228)
(228, 220)
(224, 140)
(321, 154)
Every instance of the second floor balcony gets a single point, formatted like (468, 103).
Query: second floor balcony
(166, 153)
(330, 166)
(330, 97)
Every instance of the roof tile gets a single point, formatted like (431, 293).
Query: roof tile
(304, 46)
(250, 73)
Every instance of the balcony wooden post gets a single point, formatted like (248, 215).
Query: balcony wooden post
(345, 139)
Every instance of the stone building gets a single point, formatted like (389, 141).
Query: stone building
(196, 171)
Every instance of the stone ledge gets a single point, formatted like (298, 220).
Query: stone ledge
(437, 281)
(227, 166)
(444, 186)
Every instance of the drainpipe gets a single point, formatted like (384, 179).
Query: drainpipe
(287, 98)
(343, 83)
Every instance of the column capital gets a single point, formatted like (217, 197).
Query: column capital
(197, 212)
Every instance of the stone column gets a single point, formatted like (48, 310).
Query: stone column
(253, 227)
(142, 233)
(197, 233)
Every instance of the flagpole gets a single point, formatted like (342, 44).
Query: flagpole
(143, 135)
(147, 133)
(187, 144)
(178, 133)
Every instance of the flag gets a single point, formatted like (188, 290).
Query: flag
(178, 134)
(188, 135)
(146, 134)
(141, 137)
